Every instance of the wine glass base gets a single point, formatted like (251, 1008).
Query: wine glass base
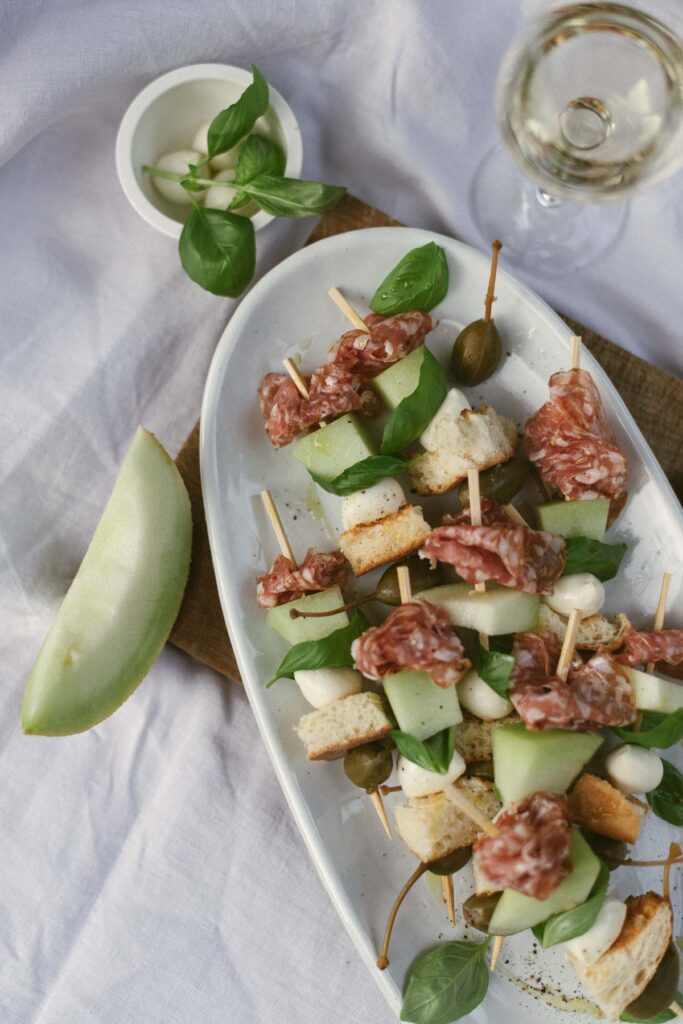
(539, 232)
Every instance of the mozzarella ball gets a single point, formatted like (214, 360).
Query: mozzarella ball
(322, 686)
(580, 590)
(602, 934)
(479, 699)
(436, 433)
(417, 781)
(634, 769)
(201, 139)
(372, 503)
(179, 163)
(219, 197)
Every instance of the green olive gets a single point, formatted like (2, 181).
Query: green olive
(482, 769)
(660, 992)
(478, 910)
(476, 352)
(611, 851)
(452, 862)
(500, 483)
(422, 577)
(368, 766)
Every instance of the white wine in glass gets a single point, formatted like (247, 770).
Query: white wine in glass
(590, 103)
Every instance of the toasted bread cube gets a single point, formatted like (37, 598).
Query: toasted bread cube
(594, 631)
(595, 804)
(371, 544)
(329, 732)
(432, 826)
(473, 737)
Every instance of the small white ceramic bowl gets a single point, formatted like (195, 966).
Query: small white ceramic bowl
(165, 117)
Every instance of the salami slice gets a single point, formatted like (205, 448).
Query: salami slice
(284, 583)
(595, 694)
(286, 412)
(572, 444)
(641, 648)
(415, 635)
(499, 550)
(389, 340)
(334, 390)
(530, 854)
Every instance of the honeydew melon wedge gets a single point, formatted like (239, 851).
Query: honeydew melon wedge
(515, 912)
(575, 518)
(652, 693)
(400, 380)
(498, 610)
(525, 762)
(118, 612)
(296, 631)
(421, 707)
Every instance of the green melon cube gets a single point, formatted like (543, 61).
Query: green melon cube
(575, 518)
(295, 631)
(525, 762)
(400, 380)
(652, 693)
(498, 610)
(327, 452)
(515, 912)
(420, 706)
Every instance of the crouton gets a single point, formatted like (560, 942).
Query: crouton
(473, 737)
(432, 826)
(594, 631)
(480, 439)
(595, 804)
(622, 973)
(371, 544)
(330, 731)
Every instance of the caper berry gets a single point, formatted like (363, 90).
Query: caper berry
(611, 851)
(660, 992)
(476, 352)
(478, 910)
(452, 862)
(500, 483)
(368, 766)
(482, 769)
(422, 577)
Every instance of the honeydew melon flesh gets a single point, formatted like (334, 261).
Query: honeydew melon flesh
(516, 912)
(575, 518)
(498, 610)
(420, 706)
(400, 380)
(327, 452)
(525, 762)
(118, 612)
(296, 631)
(652, 693)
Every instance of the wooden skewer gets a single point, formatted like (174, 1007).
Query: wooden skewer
(464, 804)
(348, 310)
(404, 587)
(378, 804)
(495, 952)
(514, 515)
(490, 297)
(294, 372)
(575, 352)
(661, 611)
(278, 528)
(569, 643)
(675, 1008)
(475, 519)
(449, 896)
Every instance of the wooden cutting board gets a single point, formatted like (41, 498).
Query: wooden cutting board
(654, 398)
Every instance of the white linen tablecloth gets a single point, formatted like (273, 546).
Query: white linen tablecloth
(150, 870)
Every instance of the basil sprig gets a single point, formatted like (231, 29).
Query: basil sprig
(661, 1018)
(667, 731)
(362, 474)
(416, 410)
(418, 281)
(434, 754)
(333, 651)
(446, 983)
(587, 555)
(233, 123)
(217, 250)
(292, 197)
(667, 799)
(495, 669)
(572, 923)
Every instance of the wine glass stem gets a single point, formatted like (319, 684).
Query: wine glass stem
(547, 200)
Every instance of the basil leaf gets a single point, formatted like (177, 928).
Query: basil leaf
(291, 197)
(667, 799)
(218, 251)
(363, 474)
(664, 734)
(416, 410)
(418, 281)
(572, 923)
(259, 155)
(434, 754)
(495, 669)
(587, 555)
(233, 123)
(661, 1018)
(446, 983)
(190, 184)
(333, 651)
(241, 199)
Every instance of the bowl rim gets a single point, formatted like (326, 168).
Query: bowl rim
(156, 88)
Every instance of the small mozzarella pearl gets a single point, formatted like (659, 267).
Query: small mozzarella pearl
(479, 699)
(580, 590)
(201, 139)
(219, 197)
(417, 781)
(179, 163)
(602, 934)
(322, 686)
(372, 503)
(634, 769)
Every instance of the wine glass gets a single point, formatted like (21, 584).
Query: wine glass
(590, 103)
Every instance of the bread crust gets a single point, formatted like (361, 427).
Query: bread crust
(597, 805)
(386, 540)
